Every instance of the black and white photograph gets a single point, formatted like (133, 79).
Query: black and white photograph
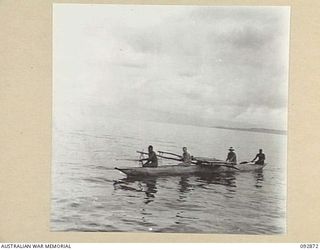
(170, 118)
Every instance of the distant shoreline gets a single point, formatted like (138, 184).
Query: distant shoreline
(256, 130)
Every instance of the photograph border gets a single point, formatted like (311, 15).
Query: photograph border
(26, 100)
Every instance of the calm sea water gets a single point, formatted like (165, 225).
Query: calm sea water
(90, 195)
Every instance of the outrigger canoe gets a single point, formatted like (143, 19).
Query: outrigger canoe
(168, 170)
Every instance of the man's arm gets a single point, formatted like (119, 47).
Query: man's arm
(145, 159)
(254, 158)
(228, 157)
(233, 157)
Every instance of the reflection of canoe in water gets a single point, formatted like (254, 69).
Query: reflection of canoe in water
(166, 170)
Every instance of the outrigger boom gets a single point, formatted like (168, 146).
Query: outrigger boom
(195, 160)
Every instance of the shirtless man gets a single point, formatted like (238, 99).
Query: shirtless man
(186, 157)
(261, 158)
(152, 160)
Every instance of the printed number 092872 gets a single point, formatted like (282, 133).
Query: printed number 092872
(308, 245)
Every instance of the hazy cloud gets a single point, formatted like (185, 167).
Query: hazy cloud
(210, 63)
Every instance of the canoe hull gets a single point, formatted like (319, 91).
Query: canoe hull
(171, 170)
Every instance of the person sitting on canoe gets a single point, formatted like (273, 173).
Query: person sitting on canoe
(152, 160)
(186, 157)
(232, 157)
(261, 157)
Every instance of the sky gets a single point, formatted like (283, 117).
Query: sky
(225, 66)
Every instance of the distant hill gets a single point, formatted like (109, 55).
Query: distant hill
(257, 130)
(103, 112)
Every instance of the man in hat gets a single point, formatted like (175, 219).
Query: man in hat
(152, 160)
(232, 157)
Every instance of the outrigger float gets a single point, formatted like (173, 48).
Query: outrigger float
(199, 165)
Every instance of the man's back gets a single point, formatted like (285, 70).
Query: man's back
(232, 157)
(153, 158)
(261, 157)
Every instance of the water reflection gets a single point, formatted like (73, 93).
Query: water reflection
(151, 190)
(148, 186)
(258, 175)
(186, 184)
(225, 179)
(184, 188)
(228, 180)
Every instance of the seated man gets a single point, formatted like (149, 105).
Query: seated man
(261, 158)
(232, 157)
(152, 160)
(186, 158)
